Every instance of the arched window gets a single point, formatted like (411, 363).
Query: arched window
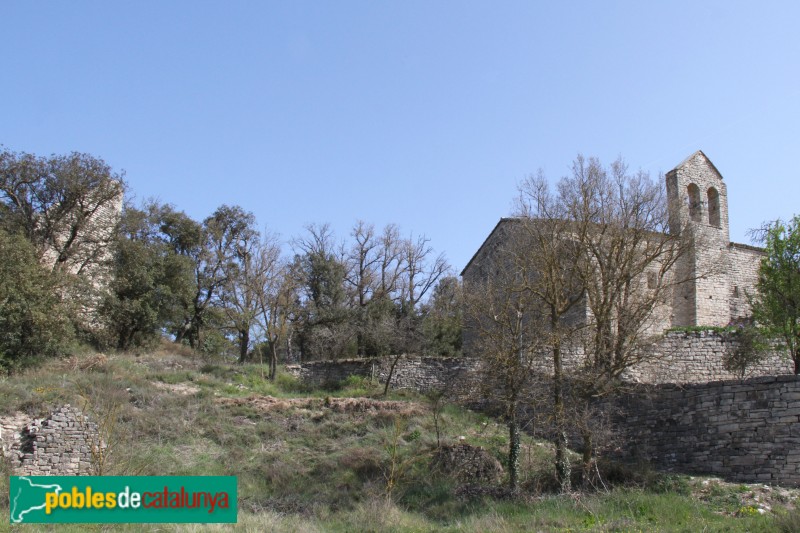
(694, 202)
(713, 207)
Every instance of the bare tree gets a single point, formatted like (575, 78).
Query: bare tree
(629, 270)
(553, 243)
(392, 262)
(608, 269)
(421, 271)
(276, 298)
(363, 259)
(417, 277)
(498, 311)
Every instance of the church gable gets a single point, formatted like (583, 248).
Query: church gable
(699, 162)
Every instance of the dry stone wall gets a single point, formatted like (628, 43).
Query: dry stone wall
(60, 445)
(741, 430)
(745, 430)
(422, 374)
(680, 357)
(698, 357)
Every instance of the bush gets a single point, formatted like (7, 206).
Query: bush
(290, 384)
(34, 321)
(749, 347)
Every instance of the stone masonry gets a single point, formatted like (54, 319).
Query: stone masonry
(423, 374)
(697, 357)
(741, 430)
(59, 445)
(707, 422)
(680, 357)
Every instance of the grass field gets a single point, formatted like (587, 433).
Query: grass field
(321, 460)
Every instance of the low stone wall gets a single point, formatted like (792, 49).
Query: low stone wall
(697, 357)
(422, 374)
(59, 445)
(742, 430)
(680, 357)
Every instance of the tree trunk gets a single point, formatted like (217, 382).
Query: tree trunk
(244, 342)
(273, 360)
(563, 470)
(513, 452)
(588, 457)
(182, 332)
(361, 343)
(391, 373)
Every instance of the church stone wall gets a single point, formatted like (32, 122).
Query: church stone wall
(716, 275)
(743, 264)
(680, 357)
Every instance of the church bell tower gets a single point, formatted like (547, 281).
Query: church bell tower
(698, 202)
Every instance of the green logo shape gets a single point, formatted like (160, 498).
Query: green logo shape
(122, 499)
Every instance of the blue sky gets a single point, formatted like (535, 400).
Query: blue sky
(425, 114)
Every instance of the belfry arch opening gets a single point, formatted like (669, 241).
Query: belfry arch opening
(694, 202)
(713, 207)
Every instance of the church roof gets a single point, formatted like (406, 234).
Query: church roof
(705, 158)
(486, 240)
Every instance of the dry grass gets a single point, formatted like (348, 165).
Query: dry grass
(337, 405)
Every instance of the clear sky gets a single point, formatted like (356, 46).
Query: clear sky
(422, 113)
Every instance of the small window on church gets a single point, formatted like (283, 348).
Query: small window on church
(735, 291)
(713, 207)
(694, 202)
(652, 280)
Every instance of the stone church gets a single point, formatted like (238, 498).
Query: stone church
(721, 273)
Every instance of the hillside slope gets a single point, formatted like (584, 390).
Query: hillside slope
(349, 459)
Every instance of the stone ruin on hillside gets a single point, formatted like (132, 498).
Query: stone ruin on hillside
(66, 443)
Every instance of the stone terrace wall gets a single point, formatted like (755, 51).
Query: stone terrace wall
(697, 357)
(741, 430)
(680, 357)
(59, 445)
(422, 374)
(745, 430)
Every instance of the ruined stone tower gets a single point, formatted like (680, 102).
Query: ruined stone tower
(699, 205)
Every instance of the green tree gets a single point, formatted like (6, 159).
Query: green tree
(216, 249)
(34, 321)
(749, 345)
(150, 282)
(55, 203)
(238, 244)
(776, 304)
(325, 325)
(187, 238)
(443, 318)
